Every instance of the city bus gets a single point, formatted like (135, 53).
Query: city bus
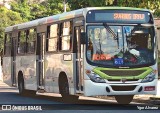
(94, 51)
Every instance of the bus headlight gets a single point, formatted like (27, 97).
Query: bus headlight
(149, 78)
(94, 77)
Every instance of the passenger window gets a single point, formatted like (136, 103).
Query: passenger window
(7, 44)
(52, 37)
(21, 42)
(66, 32)
(31, 40)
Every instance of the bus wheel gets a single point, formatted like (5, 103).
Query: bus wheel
(64, 86)
(64, 89)
(124, 99)
(21, 86)
(22, 90)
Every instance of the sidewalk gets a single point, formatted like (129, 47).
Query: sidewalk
(150, 99)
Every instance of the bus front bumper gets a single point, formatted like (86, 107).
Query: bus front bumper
(95, 89)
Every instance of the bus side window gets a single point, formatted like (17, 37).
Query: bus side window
(31, 40)
(65, 38)
(52, 37)
(21, 42)
(7, 45)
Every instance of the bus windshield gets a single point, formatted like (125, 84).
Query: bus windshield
(120, 45)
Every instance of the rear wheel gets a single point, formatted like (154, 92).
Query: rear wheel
(124, 99)
(22, 90)
(21, 86)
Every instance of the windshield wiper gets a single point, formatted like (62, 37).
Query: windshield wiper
(100, 48)
(112, 32)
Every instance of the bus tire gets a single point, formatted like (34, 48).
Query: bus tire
(63, 86)
(124, 99)
(64, 89)
(22, 90)
(21, 86)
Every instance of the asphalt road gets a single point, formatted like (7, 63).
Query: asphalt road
(49, 103)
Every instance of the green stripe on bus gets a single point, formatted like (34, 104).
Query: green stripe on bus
(140, 76)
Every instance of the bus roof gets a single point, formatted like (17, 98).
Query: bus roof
(63, 16)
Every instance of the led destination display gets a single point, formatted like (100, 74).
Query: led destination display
(123, 16)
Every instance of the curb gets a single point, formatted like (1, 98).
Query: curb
(155, 100)
(150, 100)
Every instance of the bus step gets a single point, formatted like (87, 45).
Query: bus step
(41, 90)
(14, 85)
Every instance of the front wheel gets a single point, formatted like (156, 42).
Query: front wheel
(64, 89)
(124, 99)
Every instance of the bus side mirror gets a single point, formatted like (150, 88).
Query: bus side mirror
(83, 38)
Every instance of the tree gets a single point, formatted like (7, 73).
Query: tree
(46, 8)
(22, 7)
(95, 3)
(34, 10)
(77, 4)
(8, 18)
(38, 11)
(153, 5)
(54, 7)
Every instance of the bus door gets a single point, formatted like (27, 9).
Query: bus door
(79, 59)
(13, 60)
(40, 59)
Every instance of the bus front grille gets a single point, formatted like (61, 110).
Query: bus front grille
(123, 88)
(118, 80)
(123, 72)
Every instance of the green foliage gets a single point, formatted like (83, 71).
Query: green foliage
(8, 18)
(77, 4)
(157, 13)
(47, 8)
(22, 7)
(153, 5)
(96, 3)
(38, 11)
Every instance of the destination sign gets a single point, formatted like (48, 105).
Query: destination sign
(128, 16)
(119, 16)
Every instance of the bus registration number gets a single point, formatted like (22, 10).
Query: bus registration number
(118, 61)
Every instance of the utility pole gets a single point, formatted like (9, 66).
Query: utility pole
(64, 2)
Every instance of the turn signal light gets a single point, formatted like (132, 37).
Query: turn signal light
(88, 72)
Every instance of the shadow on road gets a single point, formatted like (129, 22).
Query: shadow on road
(70, 100)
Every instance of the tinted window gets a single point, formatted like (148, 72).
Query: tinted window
(66, 32)
(31, 40)
(21, 42)
(7, 45)
(52, 37)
